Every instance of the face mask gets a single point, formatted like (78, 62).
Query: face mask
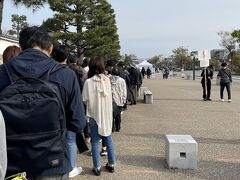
(224, 67)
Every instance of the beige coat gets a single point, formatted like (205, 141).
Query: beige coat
(119, 90)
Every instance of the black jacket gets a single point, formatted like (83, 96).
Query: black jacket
(225, 75)
(209, 75)
(33, 63)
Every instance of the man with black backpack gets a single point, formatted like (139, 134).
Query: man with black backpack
(40, 99)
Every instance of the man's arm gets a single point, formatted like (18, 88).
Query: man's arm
(75, 109)
(230, 76)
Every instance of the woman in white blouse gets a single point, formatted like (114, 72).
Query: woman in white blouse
(97, 95)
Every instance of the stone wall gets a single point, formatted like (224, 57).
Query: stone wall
(4, 43)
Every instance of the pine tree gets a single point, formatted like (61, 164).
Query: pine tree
(18, 23)
(87, 27)
(35, 4)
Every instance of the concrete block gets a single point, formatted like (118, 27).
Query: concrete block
(148, 97)
(181, 151)
(188, 77)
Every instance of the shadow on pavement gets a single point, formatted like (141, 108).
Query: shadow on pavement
(218, 141)
(168, 99)
(150, 136)
(214, 170)
(211, 170)
(142, 161)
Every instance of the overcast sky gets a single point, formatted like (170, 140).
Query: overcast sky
(152, 27)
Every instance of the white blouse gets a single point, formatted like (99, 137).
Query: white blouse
(97, 95)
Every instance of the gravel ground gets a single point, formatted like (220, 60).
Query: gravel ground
(178, 109)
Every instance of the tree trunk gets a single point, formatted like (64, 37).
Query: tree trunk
(1, 15)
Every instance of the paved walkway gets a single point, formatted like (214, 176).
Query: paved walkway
(177, 109)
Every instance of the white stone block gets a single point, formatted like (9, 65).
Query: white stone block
(148, 97)
(181, 151)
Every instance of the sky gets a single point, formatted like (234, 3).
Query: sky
(152, 27)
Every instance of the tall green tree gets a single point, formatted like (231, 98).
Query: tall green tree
(87, 27)
(181, 57)
(156, 60)
(214, 62)
(35, 4)
(18, 23)
(1, 14)
(228, 42)
(129, 59)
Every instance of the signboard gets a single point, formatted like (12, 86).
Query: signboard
(204, 55)
(204, 63)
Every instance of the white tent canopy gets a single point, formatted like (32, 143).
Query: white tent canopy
(146, 64)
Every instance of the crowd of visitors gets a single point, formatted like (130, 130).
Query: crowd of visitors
(52, 106)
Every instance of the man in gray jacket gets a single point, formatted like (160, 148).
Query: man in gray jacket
(225, 81)
(3, 151)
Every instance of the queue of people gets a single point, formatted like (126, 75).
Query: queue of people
(68, 105)
(62, 104)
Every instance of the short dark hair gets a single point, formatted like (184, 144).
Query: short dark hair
(85, 63)
(121, 64)
(33, 36)
(72, 58)
(111, 63)
(115, 71)
(210, 66)
(224, 64)
(60, 53)
(10, 52)
(96, 66)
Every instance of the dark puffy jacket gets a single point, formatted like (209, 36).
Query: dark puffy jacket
(33, 63)
(225, 75)
(133, 76)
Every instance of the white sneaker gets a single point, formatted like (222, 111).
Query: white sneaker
(222, 100)
(229, 100)
(76, 171)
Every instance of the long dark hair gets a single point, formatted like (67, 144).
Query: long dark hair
(96, 66)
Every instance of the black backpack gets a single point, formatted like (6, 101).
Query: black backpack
(35, 123)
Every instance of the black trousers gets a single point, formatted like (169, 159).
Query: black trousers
(222, 87)
(206, 94)
(117, 118)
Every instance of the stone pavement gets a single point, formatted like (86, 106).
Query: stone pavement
(177, 109)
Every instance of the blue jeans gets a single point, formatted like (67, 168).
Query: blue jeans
(72, 148)
(95, 138)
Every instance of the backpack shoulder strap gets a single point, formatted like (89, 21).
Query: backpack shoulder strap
(226, 73)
